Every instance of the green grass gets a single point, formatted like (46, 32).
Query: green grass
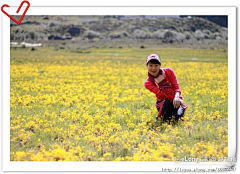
(181, 54)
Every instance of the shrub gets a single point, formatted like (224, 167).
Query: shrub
(158, 34)
(139, 34)
(53, 23)
(218, 38)
(206, 31)
(148, 35)
(115, 35)
(125, 34)
(168, 34)
(217, 35)
(188, 35)
(224, 34)
(19, 30)
(198, 34)
(41, 36)
(92, 34)
(208, 34)
(33, 35)
(179, 36)
(12, 36)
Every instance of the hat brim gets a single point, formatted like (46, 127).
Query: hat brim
(153, 59)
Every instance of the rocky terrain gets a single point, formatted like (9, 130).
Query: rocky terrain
(78, 32)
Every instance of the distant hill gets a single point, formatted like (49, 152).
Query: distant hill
(219, 20)
(119, 30)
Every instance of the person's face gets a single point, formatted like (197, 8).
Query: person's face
(153, 69)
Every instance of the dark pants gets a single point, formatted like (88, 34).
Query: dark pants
(169, 113)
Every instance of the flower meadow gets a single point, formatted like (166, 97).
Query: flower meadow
(69, 106)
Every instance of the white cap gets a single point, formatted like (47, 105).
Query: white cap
(153, 56)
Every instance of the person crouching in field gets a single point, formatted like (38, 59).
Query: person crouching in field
(163, 83)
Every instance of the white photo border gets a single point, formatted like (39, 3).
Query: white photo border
(118, 166)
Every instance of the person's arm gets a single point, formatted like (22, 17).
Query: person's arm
(152, 88)
(174, 82)
(176, 88)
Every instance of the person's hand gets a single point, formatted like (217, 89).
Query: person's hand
(177, 101)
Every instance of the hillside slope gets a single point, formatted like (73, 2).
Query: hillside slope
(108, 31)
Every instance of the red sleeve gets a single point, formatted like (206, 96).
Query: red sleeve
(152, 88)
(173, 80)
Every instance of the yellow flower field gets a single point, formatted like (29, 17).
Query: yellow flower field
(80, 107)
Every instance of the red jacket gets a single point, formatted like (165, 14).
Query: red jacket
(171, 79)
